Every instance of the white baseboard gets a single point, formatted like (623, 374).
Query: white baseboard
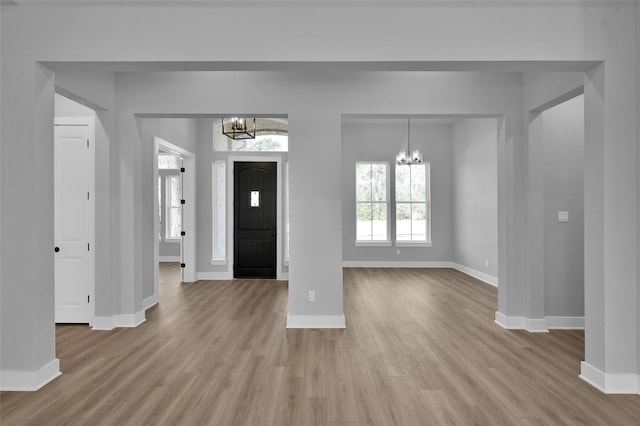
(29, 381)
(619, 383)
(489, 279)
(168, 258)
(315, 321)
(214, 276)
(532, 325)
(124, 320)
(565, 323)
(386, 264)
(539, 325)
(149, 302)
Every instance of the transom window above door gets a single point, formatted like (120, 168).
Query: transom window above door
(271, 135)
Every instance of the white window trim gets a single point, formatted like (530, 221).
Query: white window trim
(215, 259)
(427, 242)
(374, 243)
(413, 244)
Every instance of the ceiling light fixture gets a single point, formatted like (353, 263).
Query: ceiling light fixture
(239, 128)
(407, 158)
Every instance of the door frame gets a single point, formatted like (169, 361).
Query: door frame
(188, 245)
(90, 122)
(231, 160)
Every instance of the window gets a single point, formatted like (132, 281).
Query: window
(271, 136)
(174, 208)
(168, 161)
(412, 204)
(169, 196)
(286, 212)
(219, 173)
(372, 192)
(160, 208)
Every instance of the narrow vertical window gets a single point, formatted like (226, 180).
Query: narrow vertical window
(160, 205)
(174, 208)
(372, 192)
(412, 204)
(286, 212)
(219, 173)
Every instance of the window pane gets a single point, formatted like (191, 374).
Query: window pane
(363, 221)
(403, 221)
(379, 182)
(403, 183)
(175, 221)
(168, 161)
(173, 217)
(273, 143)
(219, 250)
(379, 221)
(175, 191)
(418, 181)
(363, 182)
(418, 222)
(286, 211)
(159, 207)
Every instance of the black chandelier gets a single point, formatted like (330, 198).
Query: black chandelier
(238, 128)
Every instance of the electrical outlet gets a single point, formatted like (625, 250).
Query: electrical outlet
(398, 252)
(486, 263)
(312, 296)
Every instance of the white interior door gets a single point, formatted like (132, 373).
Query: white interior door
(74, 216)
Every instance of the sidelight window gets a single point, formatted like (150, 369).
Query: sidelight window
(219, 173)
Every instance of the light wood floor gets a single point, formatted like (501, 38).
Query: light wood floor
(420, 348)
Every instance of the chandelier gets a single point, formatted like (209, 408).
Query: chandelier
(239, 128)
(408, 157)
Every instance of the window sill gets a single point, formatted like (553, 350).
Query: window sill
(373, 243)
(219, 262)
(413, 244)
(171, 240)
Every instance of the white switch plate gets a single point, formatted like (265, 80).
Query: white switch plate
(563, 216)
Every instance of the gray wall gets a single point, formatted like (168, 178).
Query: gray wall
(380, 139)
(475, 194)
(65, 107)
(563, 140)
(169, 248)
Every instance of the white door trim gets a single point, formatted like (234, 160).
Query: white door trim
(230, 206)
(91, 123)
(189, 214)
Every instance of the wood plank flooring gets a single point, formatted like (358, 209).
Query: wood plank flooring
(420, 348)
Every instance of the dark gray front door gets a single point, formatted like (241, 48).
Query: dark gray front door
(255, 219)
